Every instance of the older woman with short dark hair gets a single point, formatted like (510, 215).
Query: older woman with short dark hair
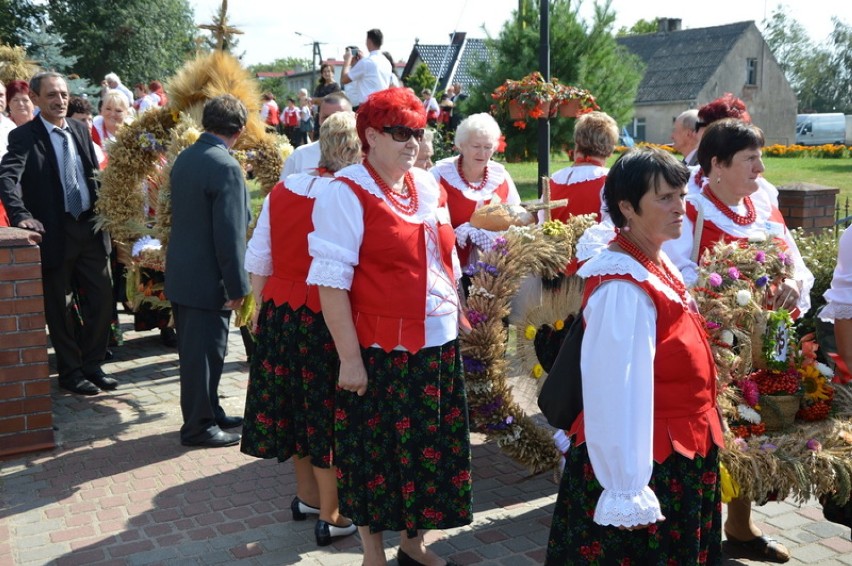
(641, 479)
(384, 261)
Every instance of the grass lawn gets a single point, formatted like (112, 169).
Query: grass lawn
(779, 171)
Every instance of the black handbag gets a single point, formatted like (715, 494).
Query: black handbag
(561, 396)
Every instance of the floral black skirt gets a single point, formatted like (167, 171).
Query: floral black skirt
(690, 499)
(292, 382)
(403, 449)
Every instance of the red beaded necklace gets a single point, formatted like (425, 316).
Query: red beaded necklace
(750, 215)
(393, 197)
(661, 271)
(481, 185)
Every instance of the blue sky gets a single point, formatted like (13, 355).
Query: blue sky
(270, 26)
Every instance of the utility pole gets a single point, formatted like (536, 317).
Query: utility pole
(544, 122)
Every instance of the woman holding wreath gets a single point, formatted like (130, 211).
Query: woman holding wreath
(733, 205)
(384, 261)
(641, 479)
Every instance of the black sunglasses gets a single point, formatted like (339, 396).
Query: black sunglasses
(404, 133)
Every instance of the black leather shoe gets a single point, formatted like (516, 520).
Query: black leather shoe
(102, 380)
(79, 385)
(168, 337)
(229, 422)
(301, 510)
(218, 440)
(325, 532)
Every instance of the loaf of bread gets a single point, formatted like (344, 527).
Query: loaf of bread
(498, 217)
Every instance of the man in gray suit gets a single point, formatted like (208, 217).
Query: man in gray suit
(205, 278)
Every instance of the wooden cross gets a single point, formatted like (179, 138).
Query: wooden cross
(220, 29)
(545, 203)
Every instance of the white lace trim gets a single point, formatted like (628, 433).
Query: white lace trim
(427, 190)
(608, 262)
(446, 169)
(627, 508)
(579, 174)
(257, 264)
(330, 273)
(762, 208)
(834, 311)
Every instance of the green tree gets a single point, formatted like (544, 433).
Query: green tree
(640, 27)
(820, 75)
(19, 16)
(421, 77)
(47, 49)
(140, 40)
(582, 54)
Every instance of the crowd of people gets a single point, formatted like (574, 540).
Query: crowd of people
(356, 266)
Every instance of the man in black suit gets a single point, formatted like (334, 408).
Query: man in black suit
(47, 184)
(205, 277)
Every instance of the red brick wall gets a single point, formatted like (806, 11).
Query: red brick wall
(808, 206)
(26, 421)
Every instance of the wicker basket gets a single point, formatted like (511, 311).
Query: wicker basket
(778, 412)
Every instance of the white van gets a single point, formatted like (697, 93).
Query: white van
(820, 129)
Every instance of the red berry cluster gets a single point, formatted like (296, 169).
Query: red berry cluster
(817, 412)
(772, 382)
(746, 430)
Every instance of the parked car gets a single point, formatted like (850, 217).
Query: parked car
(820, 129)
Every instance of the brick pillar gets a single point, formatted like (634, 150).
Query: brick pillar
(26, 420)
(807, 206)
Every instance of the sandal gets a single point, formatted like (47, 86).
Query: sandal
(761, 548)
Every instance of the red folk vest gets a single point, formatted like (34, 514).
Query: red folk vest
(711, 233)
(289, 226)
(388, 293)
(583, 198)
(686, 420)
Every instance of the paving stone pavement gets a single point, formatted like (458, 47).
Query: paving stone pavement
(119, 489)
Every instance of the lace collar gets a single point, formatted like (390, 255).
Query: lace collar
(609, 262)
(581, 174)
(447, 170)
(427, 189)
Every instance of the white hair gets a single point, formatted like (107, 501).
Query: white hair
(112, 77)
(482, 123)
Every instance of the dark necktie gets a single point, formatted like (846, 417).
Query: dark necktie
(72, 189)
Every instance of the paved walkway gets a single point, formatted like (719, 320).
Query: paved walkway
(120, 489)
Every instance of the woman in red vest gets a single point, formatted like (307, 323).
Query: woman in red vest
(290, 399)
(733, 204)
(385, 261)
(641, 483)
(595, 136)
(472, 179)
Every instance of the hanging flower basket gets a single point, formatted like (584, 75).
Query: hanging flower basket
(569, 109)
(516, 111)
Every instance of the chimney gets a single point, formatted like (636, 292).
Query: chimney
(665, 25)
(458, 37)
